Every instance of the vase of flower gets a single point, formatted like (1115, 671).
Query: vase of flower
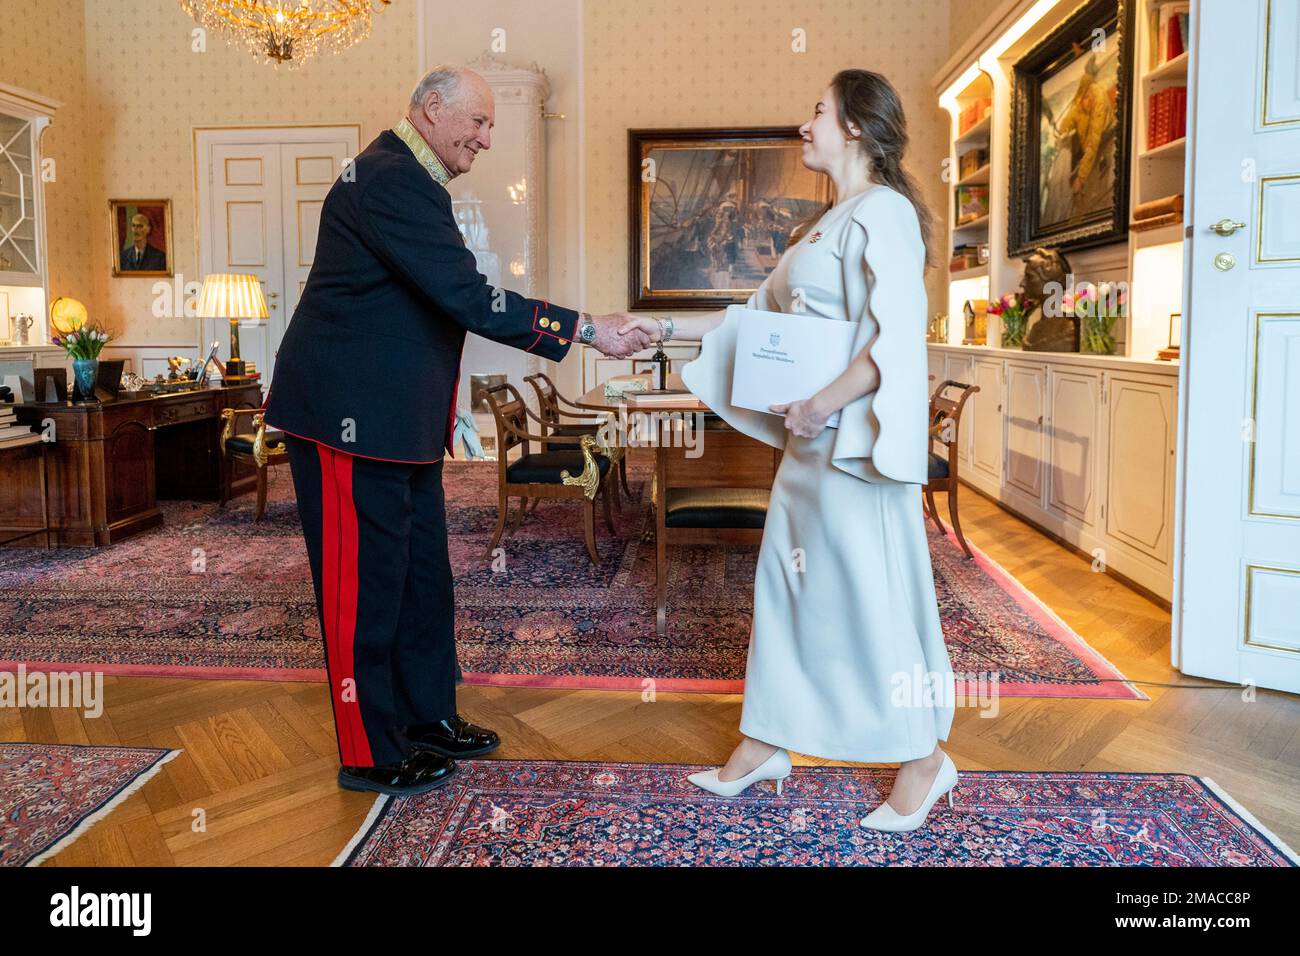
(83, 346)
(1098, 307)
(1013, 309)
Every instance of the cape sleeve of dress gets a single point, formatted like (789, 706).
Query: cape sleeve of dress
(882, 435)
(709, 375)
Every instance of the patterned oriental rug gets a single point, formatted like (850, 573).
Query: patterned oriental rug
(51, 794)
(553, 813)
(213, 594)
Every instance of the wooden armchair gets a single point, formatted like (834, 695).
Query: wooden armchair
(566, 466)
(945, 425)
(582, 422)
(260, 448)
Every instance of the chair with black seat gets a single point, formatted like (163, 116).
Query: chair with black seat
(558, 420)
(261, 448)
(567, 466)
(945, 427)
(707, 513)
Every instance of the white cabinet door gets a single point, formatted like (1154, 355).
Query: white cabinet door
(1238, 588)
(936, 369)
(1073, 442)
(960, 368)
(984, 412)
(1140, 463)
(1025, 412)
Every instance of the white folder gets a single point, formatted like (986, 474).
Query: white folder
(787, 357)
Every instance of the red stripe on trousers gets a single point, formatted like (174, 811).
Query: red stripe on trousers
(339, 593)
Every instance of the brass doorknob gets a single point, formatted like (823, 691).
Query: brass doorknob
(1226, 227)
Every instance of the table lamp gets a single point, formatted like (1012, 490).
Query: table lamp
(233, 297)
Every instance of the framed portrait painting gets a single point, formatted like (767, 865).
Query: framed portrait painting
(711, 212)
(142, 236)
(1070, 144)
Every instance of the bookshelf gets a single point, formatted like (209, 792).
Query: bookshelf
(968, 217)
(1150, 260)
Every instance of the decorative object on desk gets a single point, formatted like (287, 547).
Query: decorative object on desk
(174, 365)
(108, 380)
(66, 316)
(712, 210)
(233, 297)
(1175, 333)
(977, 322)
(659, 370)
(1070, 133)
(83, 344)
(19, 376)
(1013, 309)
(141, 231)
(51, 385)
(23, 324)
(1048, 270)
(202, 377)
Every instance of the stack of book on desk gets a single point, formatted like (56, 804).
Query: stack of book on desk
(12, 433)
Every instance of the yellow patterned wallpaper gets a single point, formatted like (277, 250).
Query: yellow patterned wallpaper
(46, 54)
(730, 63)
(148, 90)
(134, 89)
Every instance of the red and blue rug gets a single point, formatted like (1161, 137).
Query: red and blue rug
(51, 794)
(551, 813)
(213, 594)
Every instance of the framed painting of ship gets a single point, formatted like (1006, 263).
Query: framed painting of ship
(711, 212)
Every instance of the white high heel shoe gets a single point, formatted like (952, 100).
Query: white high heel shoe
(886, 818)
(776, 767)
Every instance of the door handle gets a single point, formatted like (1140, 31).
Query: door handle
(273, 295)
(1226, 227)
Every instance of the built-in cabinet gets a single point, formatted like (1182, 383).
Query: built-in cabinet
(1081, 446)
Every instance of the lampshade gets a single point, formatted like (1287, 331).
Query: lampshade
(227, 296)
(67, 315)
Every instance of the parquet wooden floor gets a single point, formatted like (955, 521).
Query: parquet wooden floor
(259, 762)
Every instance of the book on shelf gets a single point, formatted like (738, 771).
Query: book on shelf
(1166, 116)
(974, 114)
(971, 161)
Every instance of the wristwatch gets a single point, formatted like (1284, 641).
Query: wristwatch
(586, 329)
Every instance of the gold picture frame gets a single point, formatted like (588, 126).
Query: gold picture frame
(140, 256)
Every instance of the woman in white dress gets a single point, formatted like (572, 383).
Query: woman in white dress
(846, 656)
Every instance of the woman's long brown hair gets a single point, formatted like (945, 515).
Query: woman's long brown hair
(869, 102)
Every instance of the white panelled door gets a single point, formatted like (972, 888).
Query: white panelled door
(259, 210)
(1237, 602)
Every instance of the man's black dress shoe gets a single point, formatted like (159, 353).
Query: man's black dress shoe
(453, 737)
(420, 772)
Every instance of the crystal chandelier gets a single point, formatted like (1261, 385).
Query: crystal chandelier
(287, 31)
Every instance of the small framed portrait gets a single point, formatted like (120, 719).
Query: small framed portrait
(142, 237)
(1070, 133)
(712, 211)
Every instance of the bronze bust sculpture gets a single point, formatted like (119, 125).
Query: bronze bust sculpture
(1054, 333)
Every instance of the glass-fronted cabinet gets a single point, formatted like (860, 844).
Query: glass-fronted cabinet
(24, 280)
(18, 172)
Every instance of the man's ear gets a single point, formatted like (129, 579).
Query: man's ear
(432, 105)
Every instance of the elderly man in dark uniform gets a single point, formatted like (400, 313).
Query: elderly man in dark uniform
(365, 389)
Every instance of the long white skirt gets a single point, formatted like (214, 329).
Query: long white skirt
(846, 657)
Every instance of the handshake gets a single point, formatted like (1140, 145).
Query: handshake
(620, 334)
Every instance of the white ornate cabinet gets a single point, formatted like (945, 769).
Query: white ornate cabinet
(1079, 445)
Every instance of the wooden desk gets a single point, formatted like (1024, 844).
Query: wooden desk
(110, 462)
(729, 459)
(724, 458)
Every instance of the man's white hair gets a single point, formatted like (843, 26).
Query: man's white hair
(444, 78)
